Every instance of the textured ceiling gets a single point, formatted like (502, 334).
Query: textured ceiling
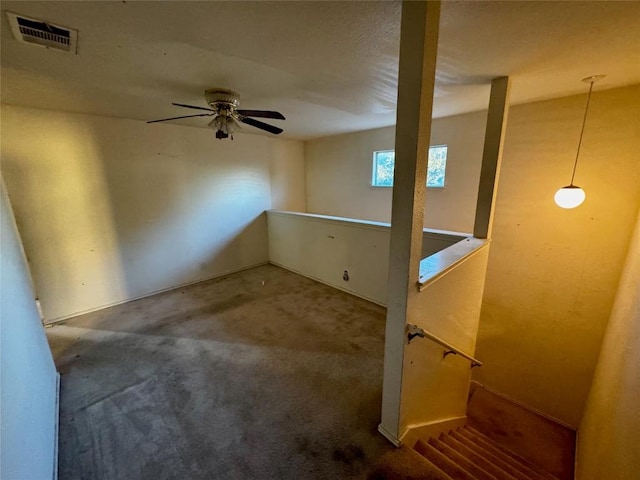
(329, 67)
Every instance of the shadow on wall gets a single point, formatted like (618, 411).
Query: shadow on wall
(185, 208)
(57, 196)
(107, 221)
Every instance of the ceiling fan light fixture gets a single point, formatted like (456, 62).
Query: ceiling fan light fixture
(222, 96)
(225, 124)
(227, 117)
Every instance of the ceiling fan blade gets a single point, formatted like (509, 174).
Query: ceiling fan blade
(184, 116)
(192, 106)
(260, 125)
(262, 114)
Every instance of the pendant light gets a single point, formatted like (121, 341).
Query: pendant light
(572, 196)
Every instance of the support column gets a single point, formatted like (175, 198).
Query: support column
(416, 79)
(492, 156)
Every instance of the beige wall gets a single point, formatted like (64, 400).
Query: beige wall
(323, 247)
(27, 373)
(609, 434)
(113, 209)
(436, 389)
(553, 273)
(338, 174)
(287, 175)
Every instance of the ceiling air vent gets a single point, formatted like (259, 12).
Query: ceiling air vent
(37, 32)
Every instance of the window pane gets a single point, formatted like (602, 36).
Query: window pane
(383, 168)
(436, 166)
(383, 163)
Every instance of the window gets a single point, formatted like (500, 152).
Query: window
(436, 166)
(383, 162)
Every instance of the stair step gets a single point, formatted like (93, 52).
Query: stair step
(405, 464)
(461, 460)
(510, 425)
(495, 451)
(539, 470)
(441, 461)
(510, 469)
(520, 463)
(476, 458)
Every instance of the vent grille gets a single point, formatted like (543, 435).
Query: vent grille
(38, 32)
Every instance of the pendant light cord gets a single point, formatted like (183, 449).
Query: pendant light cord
(584, 121)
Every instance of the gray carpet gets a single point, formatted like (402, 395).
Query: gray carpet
(260, 375)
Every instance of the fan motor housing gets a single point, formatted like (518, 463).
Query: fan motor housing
(218, 97)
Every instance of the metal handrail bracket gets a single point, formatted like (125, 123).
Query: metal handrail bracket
(414, 331)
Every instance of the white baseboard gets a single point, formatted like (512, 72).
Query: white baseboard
(397, 443)
(53, 321)
(526, 407)
(431, 429)
(333, 285)
(56, 429)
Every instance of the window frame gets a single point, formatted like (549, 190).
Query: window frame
(374, 165)
(374, 169)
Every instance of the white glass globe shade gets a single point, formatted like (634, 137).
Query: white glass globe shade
(569, 196)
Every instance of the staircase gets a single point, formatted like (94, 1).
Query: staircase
(501, 440)
(461, 454)
(467, 454)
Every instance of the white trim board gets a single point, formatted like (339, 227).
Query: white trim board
(526, 407)
(442, 262)
(315, 279)
(56, 429)
(175, 287)
(431, 429)
(396, 443)
(357, 222)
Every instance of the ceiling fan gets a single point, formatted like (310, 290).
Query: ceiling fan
(227, 116)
